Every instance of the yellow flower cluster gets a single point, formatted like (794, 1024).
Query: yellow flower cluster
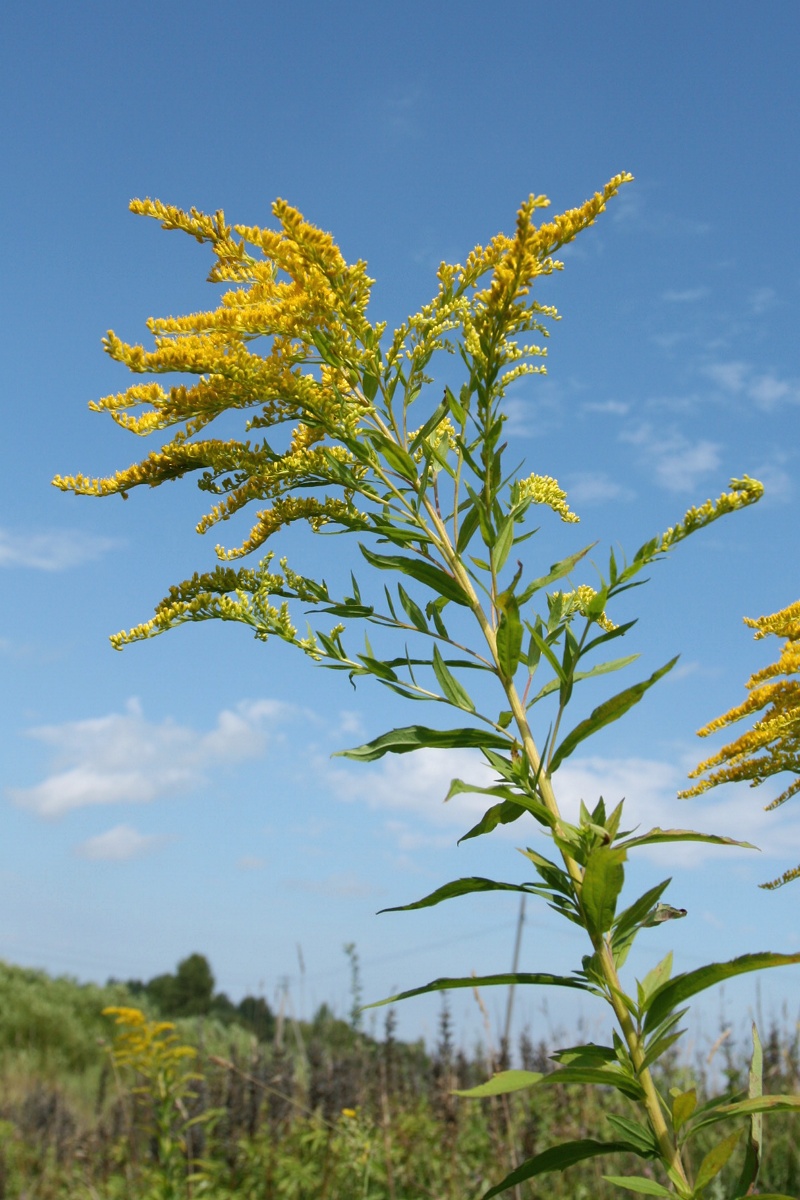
(543, 489)
(772, 746)
(743, 491)
(309, 305)
(579, 601)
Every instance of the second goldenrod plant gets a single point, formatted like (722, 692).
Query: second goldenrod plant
(347, 431)
(772, 746)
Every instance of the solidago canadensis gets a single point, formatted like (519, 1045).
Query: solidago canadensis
(345, 430)
(772, 746)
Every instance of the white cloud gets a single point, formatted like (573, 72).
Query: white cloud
(53, 551)
(123, 758)
(335, 887)
(251, 862)
(614, 408)
(595, 487)
(409, 790)
(688, 296)
(766, 389)
(678, 463)
(119, 844)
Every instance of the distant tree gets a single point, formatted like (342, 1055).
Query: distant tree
(194, 987)
(257, 1016)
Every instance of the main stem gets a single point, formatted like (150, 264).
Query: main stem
(670, 1154)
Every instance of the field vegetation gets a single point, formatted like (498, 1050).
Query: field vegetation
(297, 1110)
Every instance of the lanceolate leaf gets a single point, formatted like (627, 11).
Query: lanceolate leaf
(558, 1158)
(509, 638)
(415, 737)
(498, 814)
(462, 887)
(607, 712)
(425, 572)
(682, 835)
(557, 571)
(665, 998)
(540, 979)
(453, 690)
(640, 1184)
(602, 884)
(515, 1081)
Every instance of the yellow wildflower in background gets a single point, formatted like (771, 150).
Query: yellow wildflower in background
(772, 746)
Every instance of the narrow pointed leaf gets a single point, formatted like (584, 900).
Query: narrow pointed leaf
(425, 572)
(682, 835)
(502, 1084)
(509, 638)
(639, 1184)
(716, 1159)
(453, 690)
(498, 814)
(540, 979)
(604, 714)
(415, 737)
(602, 884)
(557, 571)
(462, 887)
(558, 1158)
(665, 998)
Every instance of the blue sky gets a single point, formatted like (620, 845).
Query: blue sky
(180, 796)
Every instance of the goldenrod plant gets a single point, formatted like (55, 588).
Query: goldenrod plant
(161, 1085)
(345, 430)
(772, 746)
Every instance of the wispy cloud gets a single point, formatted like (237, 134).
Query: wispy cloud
(687, 296)
(335, 887)
(611, 408)
(123, 758)
(595, 487)
(678, 463)
(119, 844)
(766, 389)
(56, 550)
(410, 794)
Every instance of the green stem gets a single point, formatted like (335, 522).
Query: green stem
(670, 1154)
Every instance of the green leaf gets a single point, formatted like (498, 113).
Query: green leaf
(640, 1184)
(515, 1081)
(467, 529)
(421, 570)
(682, 835)
(501, 1084)
(681, 987)
(509, 638)
(434, 420)
(683, 1105)
(498, 814)
(369, 386)
(558, 1158)
(604, 714)
(637, 1133)
(602, 884)
(415, 737)
(577, 676)
(629, 921)
(453, 690)
(412, 610)
(462, 887)
(715, 1160)
(503, 544)
(557, 571)
(586, 1055)
(654, 980)
(540, 979)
